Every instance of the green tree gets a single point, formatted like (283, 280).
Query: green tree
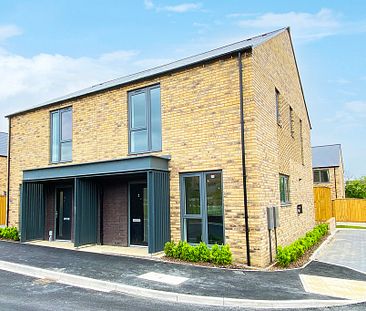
(356, 188)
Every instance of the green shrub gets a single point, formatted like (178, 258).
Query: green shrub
(292, 252)
(220, 255)
(9, 233)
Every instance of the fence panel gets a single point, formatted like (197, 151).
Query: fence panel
(323, 203)
(2, 210)
(352, 210)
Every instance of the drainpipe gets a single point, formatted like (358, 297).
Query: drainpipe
(240, 68)
(8, 179)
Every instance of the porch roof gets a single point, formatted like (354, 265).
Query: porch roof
(119, 166)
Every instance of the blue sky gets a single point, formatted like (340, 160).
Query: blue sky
(50, 48)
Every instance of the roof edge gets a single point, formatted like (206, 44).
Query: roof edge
(228, 49)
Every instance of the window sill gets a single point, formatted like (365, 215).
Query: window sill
(286, 204)
(60, 162)
(143, 152)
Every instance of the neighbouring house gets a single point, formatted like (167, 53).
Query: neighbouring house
(328, 169)
(195, 150)
(3, 162)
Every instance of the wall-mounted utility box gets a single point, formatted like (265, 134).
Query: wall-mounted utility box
(276, 216)
(270, 220)
(299, 209)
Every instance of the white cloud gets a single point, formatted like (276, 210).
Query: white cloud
(356, 106)
(8, 31)
(148, 4)
(352, 115)
(29, 81)
(304, 26)
(181, 8)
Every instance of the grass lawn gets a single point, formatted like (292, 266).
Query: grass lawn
(350, 227)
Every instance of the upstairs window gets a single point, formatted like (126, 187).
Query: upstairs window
(61, 135)
(321, 176)
(292, 122)
(278, 113)
(144, 120)
(284, 189)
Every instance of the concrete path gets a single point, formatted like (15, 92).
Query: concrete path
(347, 248)
(175, 282)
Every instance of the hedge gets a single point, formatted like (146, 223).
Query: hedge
(292, 252)
(217, 254)
(9, 233)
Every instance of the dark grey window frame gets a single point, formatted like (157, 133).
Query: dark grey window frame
(292, 122)
(147, 128)
(319, 171)
(278, 108)
(203, 204)
(288, 202)
(61, 141)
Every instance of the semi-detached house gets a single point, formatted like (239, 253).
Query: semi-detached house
(195, 150)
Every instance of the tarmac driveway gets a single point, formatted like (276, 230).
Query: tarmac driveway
(347, 248)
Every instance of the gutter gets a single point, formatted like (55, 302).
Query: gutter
(240, 69)
(8, 178)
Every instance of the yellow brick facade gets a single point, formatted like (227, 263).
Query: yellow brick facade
(3, 174)
(200, 131)
(336, 182)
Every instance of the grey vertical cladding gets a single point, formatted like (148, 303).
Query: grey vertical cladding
(32, 211)
(87, 199)
(159, 210)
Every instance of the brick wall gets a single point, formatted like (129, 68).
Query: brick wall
(115, 213)
(277, 150)
(3, 174)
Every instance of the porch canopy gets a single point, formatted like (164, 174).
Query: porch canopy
(87, 198)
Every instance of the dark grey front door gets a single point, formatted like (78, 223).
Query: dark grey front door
(139, 219)
(63, 213)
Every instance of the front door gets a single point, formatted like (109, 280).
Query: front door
(63, 213)
(139, 220)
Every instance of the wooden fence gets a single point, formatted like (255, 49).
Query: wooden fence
(2, 209)
(351, 210)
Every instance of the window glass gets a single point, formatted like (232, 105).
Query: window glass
(138, 111)
(192, 195)
(316, 176)
(155, 119)
(284, 189)
(139, 141)
(278, 113)
(194, 230)
(66, 151)
(66, 125)
(214, 208)
(61, 135)
(55, 137)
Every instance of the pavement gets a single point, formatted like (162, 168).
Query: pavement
(347, 248)
(21, 293)
(186, 283)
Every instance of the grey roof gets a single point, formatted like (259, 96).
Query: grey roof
(3, 144)
(219, 52)
(327, 156)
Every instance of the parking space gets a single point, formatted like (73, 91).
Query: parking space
(347, 248)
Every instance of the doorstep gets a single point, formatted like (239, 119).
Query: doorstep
(134, 251)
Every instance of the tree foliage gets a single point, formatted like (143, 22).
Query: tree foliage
(356, 188)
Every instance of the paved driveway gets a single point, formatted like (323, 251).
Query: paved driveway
(347, 248)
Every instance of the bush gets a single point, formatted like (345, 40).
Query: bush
(292, 252)
(356, 188)
(218, 254)
(9, 233)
